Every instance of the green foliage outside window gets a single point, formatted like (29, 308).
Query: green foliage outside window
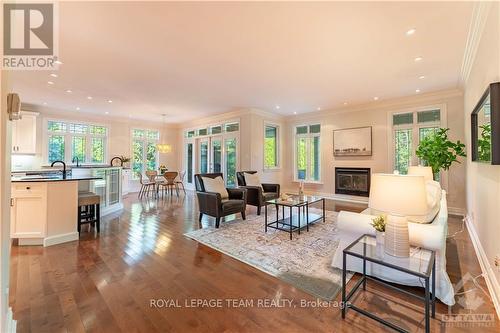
(402, 154)
(97, 150)
(271, 147)
(78, 148)
(137, 156)
(301, 158)
(230, 162)
(56, 148)
(151, 154)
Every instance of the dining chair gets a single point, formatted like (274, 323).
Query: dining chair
(170, 183)
(146, 185)
(180, 181)
(151, 174)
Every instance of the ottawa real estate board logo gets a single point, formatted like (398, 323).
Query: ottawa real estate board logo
(30, 36)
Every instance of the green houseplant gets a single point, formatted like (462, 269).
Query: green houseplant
(438, 152)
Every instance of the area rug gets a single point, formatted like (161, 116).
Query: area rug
(304, 261)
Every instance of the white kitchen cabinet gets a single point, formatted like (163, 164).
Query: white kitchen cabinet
(24, 134)
(29, 212)
(44, 212)
(126, 176)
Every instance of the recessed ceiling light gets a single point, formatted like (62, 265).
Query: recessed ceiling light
(89, 97)
(69, 91)
(421, 77)
(110, 101)
(106, 112)
(277, 107)
(417, 90)
(50, 82)
(345, 103)
(53, 75)
(58, 62)
(318, 108)
(44, 103)
(294, 112)
(411, 32)
(375, 98)
(417, 59)
(77, 108)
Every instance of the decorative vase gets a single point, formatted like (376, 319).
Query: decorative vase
(397, 238)
(380, 235)
(301, 189)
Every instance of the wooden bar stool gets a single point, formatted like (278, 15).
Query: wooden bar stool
(89, 210)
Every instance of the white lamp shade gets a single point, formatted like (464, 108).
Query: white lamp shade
(400, 195)
(425, 171)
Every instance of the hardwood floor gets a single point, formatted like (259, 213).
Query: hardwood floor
(106, 283)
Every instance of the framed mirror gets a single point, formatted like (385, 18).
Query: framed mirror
(485, 127)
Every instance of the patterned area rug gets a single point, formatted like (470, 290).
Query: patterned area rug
(304, 261)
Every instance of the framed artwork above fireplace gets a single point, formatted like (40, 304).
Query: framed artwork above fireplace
(352, 141)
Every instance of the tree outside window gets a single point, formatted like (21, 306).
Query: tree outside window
(271, 154)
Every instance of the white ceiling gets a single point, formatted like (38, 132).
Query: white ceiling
(189, 60)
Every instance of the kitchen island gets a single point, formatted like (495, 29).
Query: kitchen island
(44, 208)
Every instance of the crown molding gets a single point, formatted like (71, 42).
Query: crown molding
(480, 13)
(389, 104)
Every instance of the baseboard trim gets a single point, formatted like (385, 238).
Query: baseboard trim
(64, 238)
(456, 211)
(10, 323)
(489, 275)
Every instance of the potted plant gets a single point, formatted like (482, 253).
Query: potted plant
(438, 152)
(162, 169)
(378, 224)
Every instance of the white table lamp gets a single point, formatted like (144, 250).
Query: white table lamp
(425, 171)
(398, 196)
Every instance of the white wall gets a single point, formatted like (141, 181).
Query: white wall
(483, 180)
(376, 115)
(119, 137)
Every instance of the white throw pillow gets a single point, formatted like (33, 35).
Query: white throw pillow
(433, 203)
(252, 179)
(215, 185)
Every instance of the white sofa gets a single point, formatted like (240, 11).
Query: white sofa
(430, 236)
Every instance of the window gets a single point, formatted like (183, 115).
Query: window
(308, 153)
(408, 129)
(271, 146)
(232, 127)
(66, 141)
(144, 151)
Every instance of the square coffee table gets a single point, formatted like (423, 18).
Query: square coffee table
(295, 221)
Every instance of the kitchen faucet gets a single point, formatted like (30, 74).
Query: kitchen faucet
(77, 161)
(64, 167)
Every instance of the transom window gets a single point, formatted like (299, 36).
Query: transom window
(214, 129)
(67, 141)
(144, 150)
(408, 129)
(308, 153)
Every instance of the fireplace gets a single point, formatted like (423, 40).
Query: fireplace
(353, 181)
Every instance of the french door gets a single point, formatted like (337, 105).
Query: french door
(214, 154)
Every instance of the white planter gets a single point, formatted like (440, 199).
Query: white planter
(380, 236)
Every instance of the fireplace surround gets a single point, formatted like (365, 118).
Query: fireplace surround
(352, 181)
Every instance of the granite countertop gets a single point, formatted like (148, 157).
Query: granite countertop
(58, 178)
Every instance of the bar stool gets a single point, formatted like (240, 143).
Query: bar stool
(89, 210)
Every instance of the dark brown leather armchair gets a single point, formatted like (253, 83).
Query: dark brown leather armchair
(211, 203)
(256, 195)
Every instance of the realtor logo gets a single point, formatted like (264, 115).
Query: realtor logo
(29, 36)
